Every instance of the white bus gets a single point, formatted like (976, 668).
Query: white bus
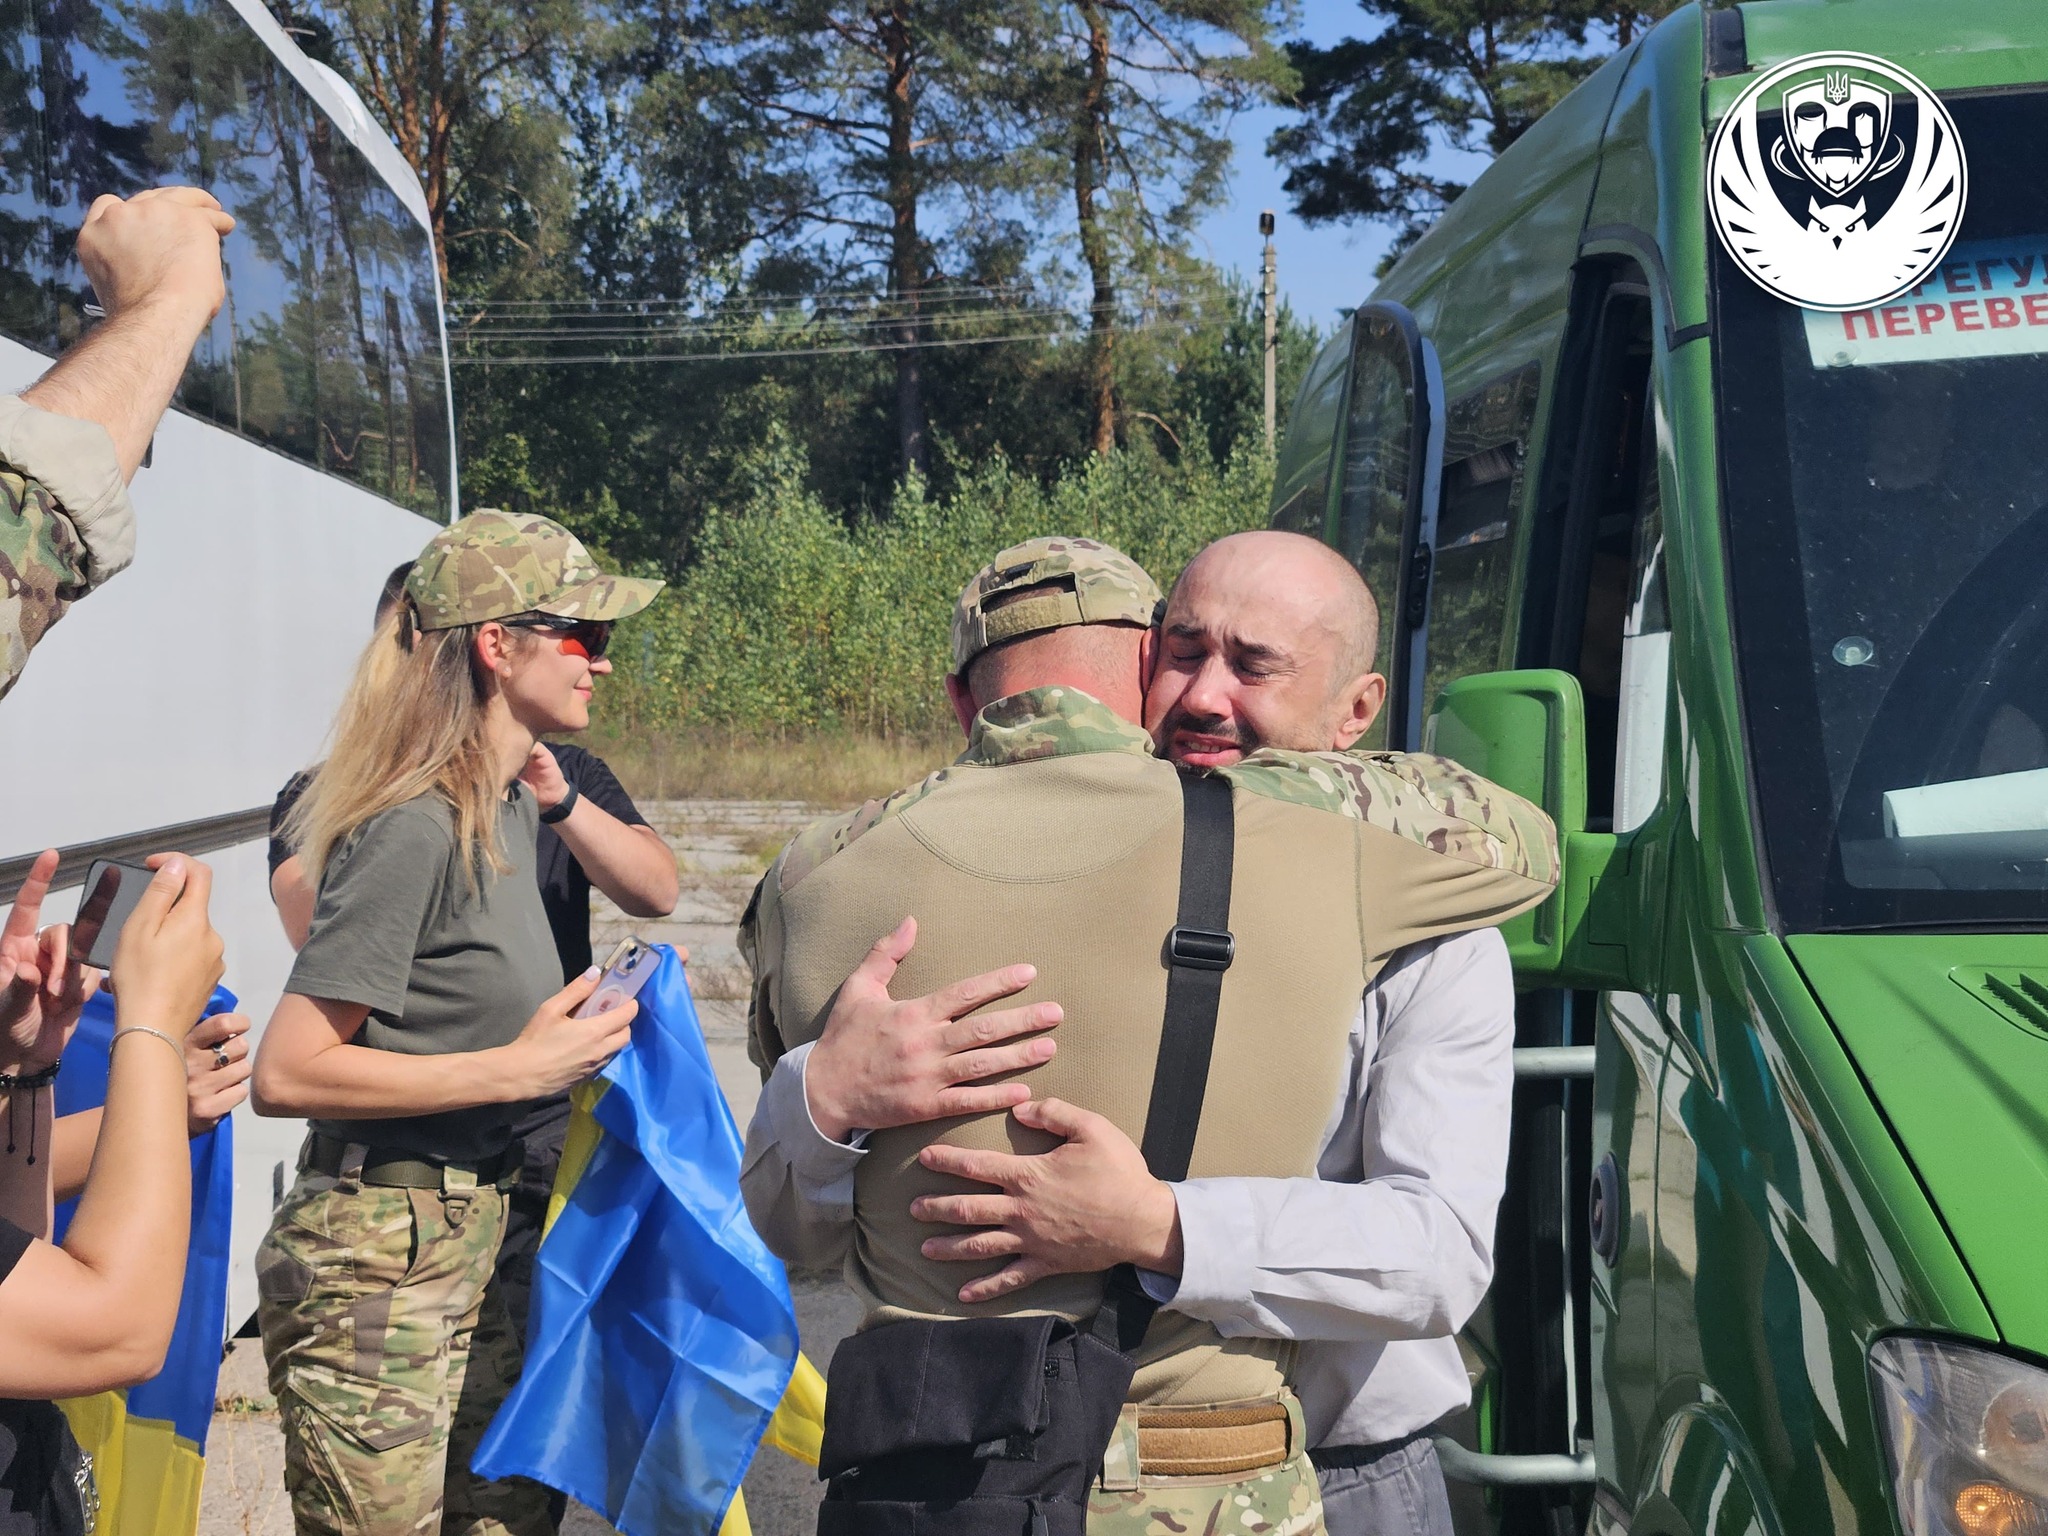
(311, 449)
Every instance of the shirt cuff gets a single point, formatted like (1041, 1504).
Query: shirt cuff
(1217, 1222)
(1161, 1288)
(820, 1164)
(74, 461)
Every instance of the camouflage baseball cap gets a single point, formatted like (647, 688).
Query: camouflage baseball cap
(1092, 584)
(492, 564)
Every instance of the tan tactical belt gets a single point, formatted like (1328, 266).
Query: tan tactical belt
(1211, 1442)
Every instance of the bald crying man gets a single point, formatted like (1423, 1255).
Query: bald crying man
(1268, 640)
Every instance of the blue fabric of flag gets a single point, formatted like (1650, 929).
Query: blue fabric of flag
(662, 1335)
(181, 1394)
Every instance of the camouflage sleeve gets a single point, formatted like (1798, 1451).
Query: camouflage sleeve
(1487, 854)
(1517, 835)
(66, 524)
(1429, 800)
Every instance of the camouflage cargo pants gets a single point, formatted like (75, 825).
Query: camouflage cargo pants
(389, 1351)
(1282, 1500)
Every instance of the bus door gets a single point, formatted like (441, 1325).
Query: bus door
(1580, 1205)
(1385, 516)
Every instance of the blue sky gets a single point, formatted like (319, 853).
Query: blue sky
(1321, 269)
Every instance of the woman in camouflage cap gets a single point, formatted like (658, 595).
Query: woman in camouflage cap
(421, 1016)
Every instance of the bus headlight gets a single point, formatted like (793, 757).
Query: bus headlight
(1966, 1430)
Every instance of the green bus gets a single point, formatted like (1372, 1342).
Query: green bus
(1754, 598)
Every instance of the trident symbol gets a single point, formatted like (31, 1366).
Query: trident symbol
(1836, 86)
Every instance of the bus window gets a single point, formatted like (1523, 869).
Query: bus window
(1305, 454)
(328, 348)
(1886, 500)
(1591, 542)
(1485, 441)
(1645, 650)
(1373, 495)
(24, 249)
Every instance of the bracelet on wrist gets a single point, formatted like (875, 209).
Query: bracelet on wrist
(560, 810)
(144, 1029)
(14, 1082)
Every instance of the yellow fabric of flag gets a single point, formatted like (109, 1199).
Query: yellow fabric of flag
(146, 1474)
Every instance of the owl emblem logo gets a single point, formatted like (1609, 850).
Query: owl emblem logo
(1837, 181)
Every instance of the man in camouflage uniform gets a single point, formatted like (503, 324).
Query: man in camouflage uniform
(1305, 643)
(71, 442)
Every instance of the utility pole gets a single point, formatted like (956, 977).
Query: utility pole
(1272, 327)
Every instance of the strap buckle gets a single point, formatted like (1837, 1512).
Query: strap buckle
(1204, 949)
(458, 1190)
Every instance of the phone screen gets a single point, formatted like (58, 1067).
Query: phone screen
(111, 891)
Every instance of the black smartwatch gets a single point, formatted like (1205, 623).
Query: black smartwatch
(560, 810)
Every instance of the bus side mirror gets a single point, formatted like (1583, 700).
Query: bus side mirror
(1526, 731)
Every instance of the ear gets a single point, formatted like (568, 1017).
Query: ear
(1361, 702)
(493, 647)
(962, 702)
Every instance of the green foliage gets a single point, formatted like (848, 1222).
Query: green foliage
(1468, 75)
(790, 620)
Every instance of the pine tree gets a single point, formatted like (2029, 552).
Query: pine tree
(1468, 75)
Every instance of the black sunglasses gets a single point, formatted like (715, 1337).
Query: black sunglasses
(590, 637)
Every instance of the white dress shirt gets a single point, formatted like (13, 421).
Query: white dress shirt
(1372, 1265)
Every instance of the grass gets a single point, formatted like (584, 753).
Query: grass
(830, 770)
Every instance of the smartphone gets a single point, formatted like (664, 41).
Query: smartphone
(112, 888)
(625, 973)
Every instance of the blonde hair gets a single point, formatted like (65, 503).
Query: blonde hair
(414, 722)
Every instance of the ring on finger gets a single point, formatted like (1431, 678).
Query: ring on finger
(220, 1054)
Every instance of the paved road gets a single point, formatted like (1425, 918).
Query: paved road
(721, 848)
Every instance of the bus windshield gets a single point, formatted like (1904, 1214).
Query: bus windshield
(1885, 476)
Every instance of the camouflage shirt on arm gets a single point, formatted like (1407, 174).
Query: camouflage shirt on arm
(66, 524)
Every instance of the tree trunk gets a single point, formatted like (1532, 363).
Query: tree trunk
(1089, 174)
(906, 267)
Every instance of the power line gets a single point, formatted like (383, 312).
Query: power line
(749, 300)
(723, 357)
(622, 325)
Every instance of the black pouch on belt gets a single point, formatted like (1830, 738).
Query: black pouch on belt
(997, 1426)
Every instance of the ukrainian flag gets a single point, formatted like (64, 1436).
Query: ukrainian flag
(148, 1443)
(662, 1345)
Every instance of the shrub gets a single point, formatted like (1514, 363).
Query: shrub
(789, 620)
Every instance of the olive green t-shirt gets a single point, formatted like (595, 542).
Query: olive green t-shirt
(443, 967)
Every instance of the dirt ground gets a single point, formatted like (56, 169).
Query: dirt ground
(721, 848)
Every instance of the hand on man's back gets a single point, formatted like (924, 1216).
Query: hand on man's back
(883, 1063)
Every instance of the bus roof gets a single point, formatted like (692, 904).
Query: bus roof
(1955, 45)
(340, 102)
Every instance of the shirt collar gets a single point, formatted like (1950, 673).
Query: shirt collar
(1050, 722)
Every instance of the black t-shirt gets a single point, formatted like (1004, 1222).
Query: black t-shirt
(564, 887)
(281, 807)
(38, 1496)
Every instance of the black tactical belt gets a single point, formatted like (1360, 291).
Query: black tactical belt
(387, 1169)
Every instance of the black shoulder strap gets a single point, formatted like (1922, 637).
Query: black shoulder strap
(1199, 950)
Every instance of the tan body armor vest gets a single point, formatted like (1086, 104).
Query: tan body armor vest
(1072, 862)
